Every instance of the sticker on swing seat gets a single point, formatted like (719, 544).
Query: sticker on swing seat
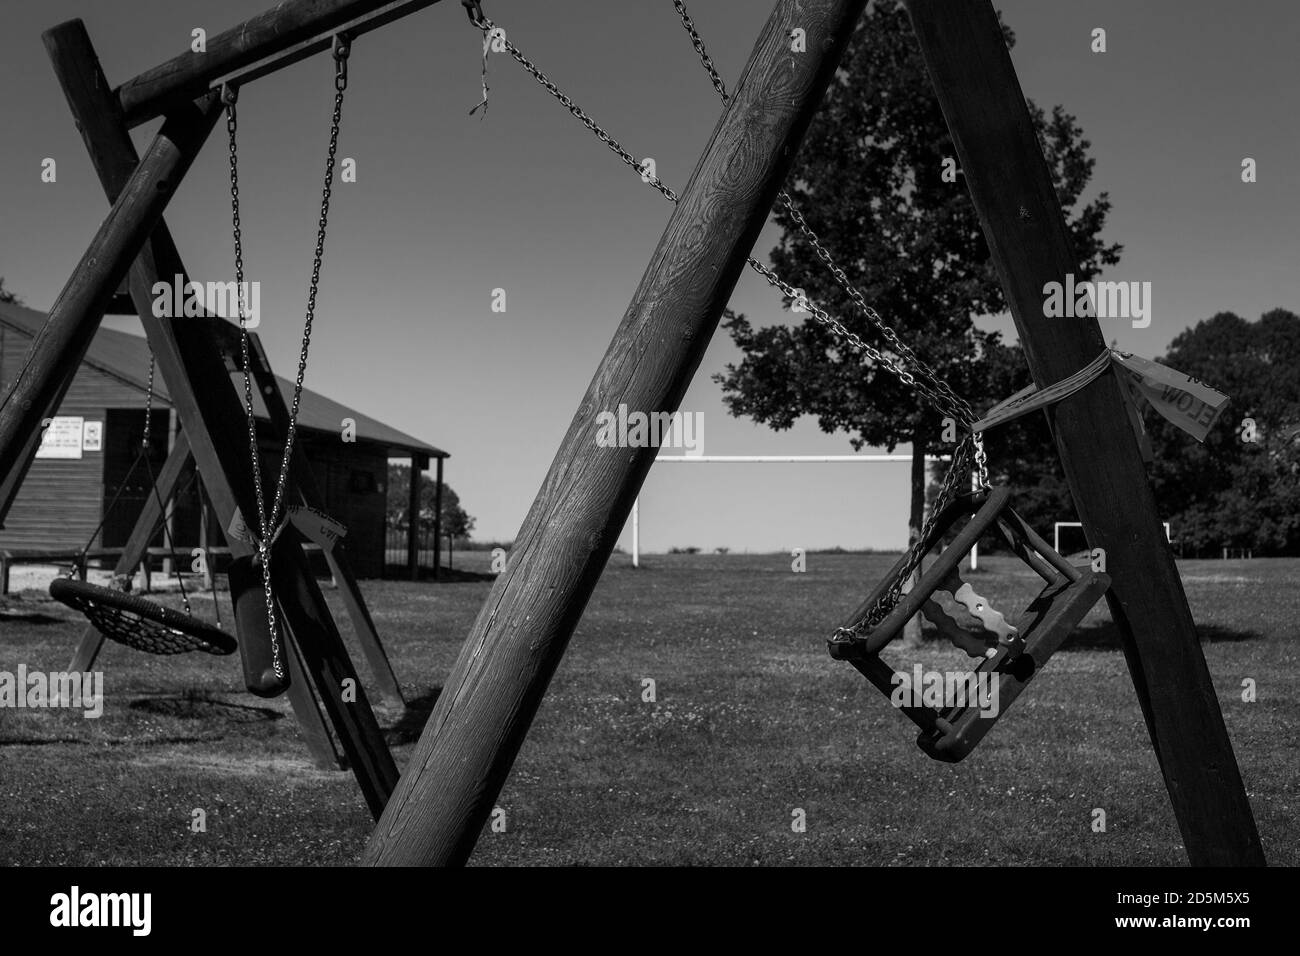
(239, 529)
(968, 620)
(317, 527)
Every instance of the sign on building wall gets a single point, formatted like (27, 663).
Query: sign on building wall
(92, 436)
(63, 438)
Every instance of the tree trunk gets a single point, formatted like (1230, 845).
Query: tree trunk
(916, 517)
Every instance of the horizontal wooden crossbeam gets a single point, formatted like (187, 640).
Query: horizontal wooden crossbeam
(283, 35)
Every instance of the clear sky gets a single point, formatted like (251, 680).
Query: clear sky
(448, 207)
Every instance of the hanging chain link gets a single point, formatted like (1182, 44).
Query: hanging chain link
(903, 363)
(487, 26)
(919, 376)
(269, 522)
(148, 405)
(911, 368)
(915, 373)
(153, 484)
(958, 469)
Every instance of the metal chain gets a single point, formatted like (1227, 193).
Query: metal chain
(935, 389)
(487, 26)
(918, 376)
(148, 404)
(923, 380)
(957, 469)
(153, 482)
(931, 386)
(269, 522)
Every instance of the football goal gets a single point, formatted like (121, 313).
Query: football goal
(1074, 538)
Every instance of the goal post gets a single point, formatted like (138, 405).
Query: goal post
(774, 460)
(1056, 532)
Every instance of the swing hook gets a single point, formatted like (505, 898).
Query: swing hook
(475, 11)
(342, 48)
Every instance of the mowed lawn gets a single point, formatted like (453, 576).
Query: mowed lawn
(752, 722)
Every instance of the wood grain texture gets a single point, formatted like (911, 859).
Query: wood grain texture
(498, 682)
(1011, 185)
(283, 33)
(188, 353)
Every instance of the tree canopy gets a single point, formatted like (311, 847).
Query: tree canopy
(455, 520)
(876, 179)
(1241, 487)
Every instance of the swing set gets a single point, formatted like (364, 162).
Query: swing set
(286, 637)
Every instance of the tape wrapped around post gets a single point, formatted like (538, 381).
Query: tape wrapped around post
(1187, 402)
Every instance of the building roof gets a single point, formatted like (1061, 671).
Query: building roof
(125, 357)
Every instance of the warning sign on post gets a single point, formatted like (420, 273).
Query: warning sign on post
(62, 439)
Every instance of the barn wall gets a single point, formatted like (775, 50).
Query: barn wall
(60, 501)
(352, 479)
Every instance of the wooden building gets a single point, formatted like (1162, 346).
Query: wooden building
(87, 455)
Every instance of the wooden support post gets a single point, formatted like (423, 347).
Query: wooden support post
(364, 625)
(971, 69)
(60, 346)
(205, 541)
(188, 353)
(170, 503)
(286, 33)
(136, 549)
(304, 482)
(413, 521)
(484, 711)
(437, 523)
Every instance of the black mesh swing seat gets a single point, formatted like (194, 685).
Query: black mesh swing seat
(139, 623)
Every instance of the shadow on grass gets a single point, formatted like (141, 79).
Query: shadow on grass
(38, 741)
(29, 617)
(1104, 636)
(407, 730)
(445, 575)
(202, 707)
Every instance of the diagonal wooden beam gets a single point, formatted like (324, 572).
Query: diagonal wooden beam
(976, 84)
(304, 482)
(188, 352)
(59, 347)
(137, 545)
(493, 693)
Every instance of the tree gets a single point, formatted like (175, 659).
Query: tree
(1230, 490)
(455, 520)
(6, 296)
(871, 181)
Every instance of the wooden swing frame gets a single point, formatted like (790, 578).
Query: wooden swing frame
(479, 723)
(1067, 595)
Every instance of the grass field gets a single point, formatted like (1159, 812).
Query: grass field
(752, 721)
